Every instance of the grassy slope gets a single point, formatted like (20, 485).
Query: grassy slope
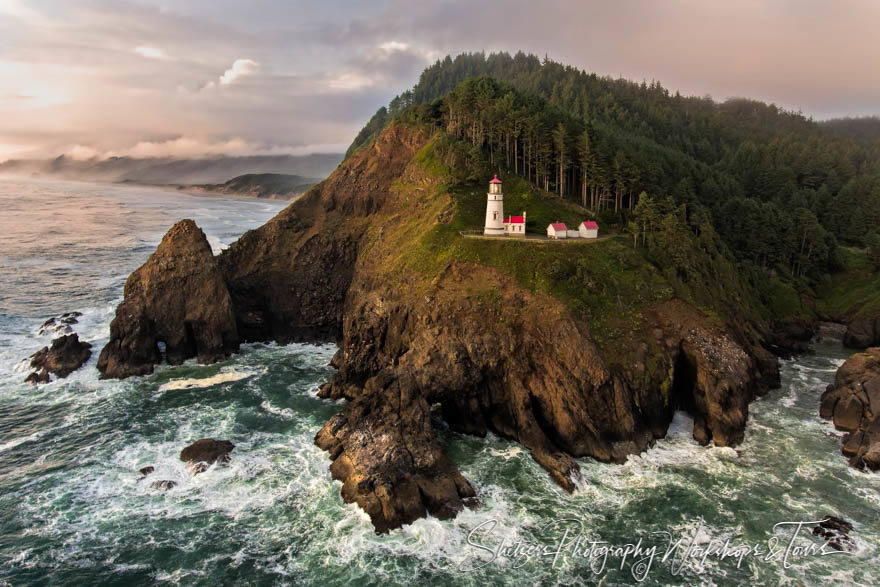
(853, 292)
(608, 284)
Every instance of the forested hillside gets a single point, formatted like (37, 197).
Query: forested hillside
(783, 191)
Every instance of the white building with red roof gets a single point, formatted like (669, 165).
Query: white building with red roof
(557, 230)
(588, 229)
(515, 225)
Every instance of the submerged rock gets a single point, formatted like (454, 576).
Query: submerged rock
(835, 531)
(852, 402)
(165, 484)
(178, 298)
(65, 355)
(205, 452)
(144, 471)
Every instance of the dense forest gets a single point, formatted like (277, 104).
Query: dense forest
(781, 189)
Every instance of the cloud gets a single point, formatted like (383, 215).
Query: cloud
(17, 9)
(191, 147)
(240, 68)
(144, 76)
(389, 48)
(348, 81)
(151, 53)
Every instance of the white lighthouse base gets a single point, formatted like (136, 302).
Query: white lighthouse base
(494, 231)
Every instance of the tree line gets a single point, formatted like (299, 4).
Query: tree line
(781, 189)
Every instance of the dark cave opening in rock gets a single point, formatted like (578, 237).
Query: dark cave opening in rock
(189, 346)
(684, 380)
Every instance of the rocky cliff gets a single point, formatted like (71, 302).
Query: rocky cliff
(177, 299)
(425, 334)
(852, 402)
(862, 332)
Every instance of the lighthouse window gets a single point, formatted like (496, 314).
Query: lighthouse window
(494, 215)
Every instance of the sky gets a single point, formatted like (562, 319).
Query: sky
(186, 78)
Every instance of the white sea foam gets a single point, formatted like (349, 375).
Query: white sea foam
(217, 246)
(226, 375)
(23, 439)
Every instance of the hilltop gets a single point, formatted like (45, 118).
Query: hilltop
(260, 185)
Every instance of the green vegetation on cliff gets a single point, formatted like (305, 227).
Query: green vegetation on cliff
(609, 284)
(263, 185)
(853, 292)
(742, 204)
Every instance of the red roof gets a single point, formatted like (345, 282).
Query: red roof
(589, 224)
(558, 226)
(517, 220)
(495, 179)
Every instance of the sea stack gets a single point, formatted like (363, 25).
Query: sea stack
(178, 298)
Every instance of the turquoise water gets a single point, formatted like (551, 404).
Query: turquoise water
(72, 510)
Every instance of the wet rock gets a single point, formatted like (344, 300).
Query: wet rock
(60, 324)
(386, 454)
(205, 452)
(165, 484)
(65, 355)
(835, 531)
(144, 471)
(852, 402)
(791, 336)
(178, 298)
(862, 332)
(38, 377)
(541, 382)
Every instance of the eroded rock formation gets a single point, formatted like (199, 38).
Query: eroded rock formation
(852, 402)
(178, 297)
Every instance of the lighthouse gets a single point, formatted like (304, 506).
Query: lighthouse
(494, 209)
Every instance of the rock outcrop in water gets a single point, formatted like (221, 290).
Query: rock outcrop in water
(65, 355)
(178, 297)
(468, 344)
(164, 484)
(205, 452)
(852, 402)
(60, 324)
(835, 531)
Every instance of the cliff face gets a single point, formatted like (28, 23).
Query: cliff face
(852, 402)
(469, 341)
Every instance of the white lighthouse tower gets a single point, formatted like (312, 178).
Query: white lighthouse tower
(494, 209)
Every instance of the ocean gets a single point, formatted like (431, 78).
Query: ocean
(73, 509)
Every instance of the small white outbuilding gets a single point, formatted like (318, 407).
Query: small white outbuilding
(588, 229)
(557, 230)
